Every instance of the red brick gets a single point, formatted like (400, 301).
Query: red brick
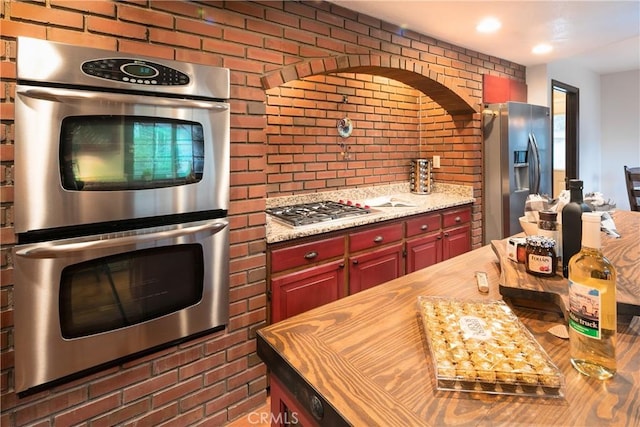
(81, 39)
(122, 414)
(243, 37)
(120, 380)
(174, 360)
(145, 16)
(264, 27)
(196, 417)
(246, 376)
(223, 17)
(146, 49)
(46, 15)
(202, 28)
(243, 321)
(226, 371)
(200, 366)
(226, 401)
(85, 412)
(122, 29)
(104, 8)
(44, 407)
(174, 38)
(179, 8)
(282, 18)
(156, 417)
(149, 387)
(176, 392)
(203, 396)
(199, 57)
(7, 71)
(247, 8)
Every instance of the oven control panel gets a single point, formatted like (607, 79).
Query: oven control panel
(134, 71)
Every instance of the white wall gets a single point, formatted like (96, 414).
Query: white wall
(609, 132)
(620, 115)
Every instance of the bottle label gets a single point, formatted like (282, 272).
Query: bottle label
(584, 310)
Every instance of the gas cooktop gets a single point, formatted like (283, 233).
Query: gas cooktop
(316, 212)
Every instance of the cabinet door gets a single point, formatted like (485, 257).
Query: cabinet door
(375, 267)
(456, 241)
(297, 292)
(423, 252)
(286, 410)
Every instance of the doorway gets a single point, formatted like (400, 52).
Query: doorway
(564, 125)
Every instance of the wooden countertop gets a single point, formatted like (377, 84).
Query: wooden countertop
(365, 358)
(623, 252)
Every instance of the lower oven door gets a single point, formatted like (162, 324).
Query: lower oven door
(86, 302)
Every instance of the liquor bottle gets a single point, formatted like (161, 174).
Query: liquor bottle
(572, 224)
(592, 305)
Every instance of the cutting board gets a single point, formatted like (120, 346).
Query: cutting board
(551, 293)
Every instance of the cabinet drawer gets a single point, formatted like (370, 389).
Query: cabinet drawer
(375, 237)
(306, 253)
(422, 225)
(456, 217)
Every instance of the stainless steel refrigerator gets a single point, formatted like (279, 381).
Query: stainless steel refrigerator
(517, 161)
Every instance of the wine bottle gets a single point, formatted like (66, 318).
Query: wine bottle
(592, 305)
(572, 224)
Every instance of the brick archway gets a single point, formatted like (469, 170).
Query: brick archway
(449, 92)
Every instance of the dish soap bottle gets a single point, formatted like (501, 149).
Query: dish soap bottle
(572, 224)
(592, 305)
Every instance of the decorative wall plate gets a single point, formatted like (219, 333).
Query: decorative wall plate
(345, 127)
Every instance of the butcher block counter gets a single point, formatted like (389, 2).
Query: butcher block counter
(364, 361)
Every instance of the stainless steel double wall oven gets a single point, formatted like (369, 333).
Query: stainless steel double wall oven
(121, 202)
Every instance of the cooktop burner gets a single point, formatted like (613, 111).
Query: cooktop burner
(315, 212)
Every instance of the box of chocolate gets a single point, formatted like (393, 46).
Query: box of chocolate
(480, 346)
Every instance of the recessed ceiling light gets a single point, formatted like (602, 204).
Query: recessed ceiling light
(488, 25)
(541, 49)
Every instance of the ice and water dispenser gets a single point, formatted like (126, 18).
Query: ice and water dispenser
(521, 170)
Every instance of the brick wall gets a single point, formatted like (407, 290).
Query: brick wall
(265, 45)
(305, 152)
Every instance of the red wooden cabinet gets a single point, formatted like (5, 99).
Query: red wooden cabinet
(306, 275)
(456, 232)
(456, 241)
(424, 251)
(303, 290)
(375, 256)
(375, 267)
(309, 273)
(447, 235)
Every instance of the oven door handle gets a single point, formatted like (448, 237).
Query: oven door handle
(66, 95)
(57, 250)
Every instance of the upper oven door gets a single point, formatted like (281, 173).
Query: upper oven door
(86, 157)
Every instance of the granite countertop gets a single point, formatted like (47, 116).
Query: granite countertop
(442, 196)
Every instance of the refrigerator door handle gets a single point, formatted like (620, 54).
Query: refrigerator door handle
(536, 163)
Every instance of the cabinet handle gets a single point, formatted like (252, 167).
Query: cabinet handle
(439, 238)
(355, 262)
(310, 255)
(378, 239)
(424, 227)
(446, 234)
(458, 219)
(341, 265)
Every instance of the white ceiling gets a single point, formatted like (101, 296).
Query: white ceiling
(603, 36)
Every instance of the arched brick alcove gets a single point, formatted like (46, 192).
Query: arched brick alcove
(447, 91)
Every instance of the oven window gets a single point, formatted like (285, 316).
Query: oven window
(103, 153)
(113, 292)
